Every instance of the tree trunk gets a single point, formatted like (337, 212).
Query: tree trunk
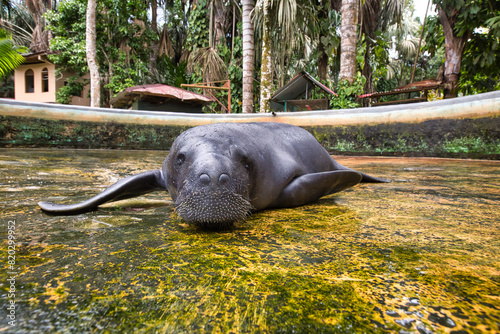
(454, 47)
(348, 41)
(368, 74)
(154, 43)
(323, 57)
(40, 36)
(248, 56)
(211, 25)
(95, 80)
(266, 70)
(322, 62)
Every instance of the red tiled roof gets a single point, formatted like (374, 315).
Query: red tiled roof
(168, 91)
(157, 93)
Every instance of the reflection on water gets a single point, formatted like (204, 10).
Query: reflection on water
(420, 254)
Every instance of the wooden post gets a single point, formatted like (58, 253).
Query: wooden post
(226, 86)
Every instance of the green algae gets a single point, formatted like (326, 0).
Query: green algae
(418, 254)
(36, 132)
(475, 138)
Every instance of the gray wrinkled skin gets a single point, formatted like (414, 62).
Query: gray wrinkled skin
(217, 174)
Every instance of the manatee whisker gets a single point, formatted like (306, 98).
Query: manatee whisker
(214, 208)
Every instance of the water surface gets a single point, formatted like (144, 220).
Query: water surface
(418, 255)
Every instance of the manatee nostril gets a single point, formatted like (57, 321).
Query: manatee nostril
(223, 179)
(204, 179)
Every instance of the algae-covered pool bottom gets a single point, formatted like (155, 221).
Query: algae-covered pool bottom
(420, 254)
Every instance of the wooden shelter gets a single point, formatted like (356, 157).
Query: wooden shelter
(297, 95)
(158, 97)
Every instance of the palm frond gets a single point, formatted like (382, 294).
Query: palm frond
(165, 46)
(209, 62)
(371, 16)
(393, 68)
(19, 24)
(392, 12)
(409, 47)
(20, 36)
(287, 12)
(9, 58)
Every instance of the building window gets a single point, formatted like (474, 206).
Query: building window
(29, 78)
(45, 80)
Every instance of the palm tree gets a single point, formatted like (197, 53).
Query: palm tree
(207, 59)
(19, 23)
(282, 26)
(95, 80)
(41, 36)
(5, 8)
(248, 56)
(266, 77)
(350, 11)
(378, 15)
(212, 66)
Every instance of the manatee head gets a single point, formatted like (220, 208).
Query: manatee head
(209, 179)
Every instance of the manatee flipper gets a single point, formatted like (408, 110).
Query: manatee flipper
(371, 179)
(310, 187)
(365, 177)
(131, 186)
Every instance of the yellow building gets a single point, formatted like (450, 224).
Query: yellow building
(35, 81)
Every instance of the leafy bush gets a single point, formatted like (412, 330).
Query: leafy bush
(347, 93)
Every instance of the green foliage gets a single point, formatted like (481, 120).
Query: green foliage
(122, 38)
(481, 62)
(7, 87)
(126, 76)
(480, 21)
(344, 146)
(360, 52)
(74, 87)
(471, 145)
(9, 55)
(168, 73)
(347, 93)
(379, 58)
(329, 34)
(68, 43)
(198, 26)
(125, 40)
(235, 71)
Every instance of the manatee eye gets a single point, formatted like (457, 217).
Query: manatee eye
(181, 158)
(245, 162)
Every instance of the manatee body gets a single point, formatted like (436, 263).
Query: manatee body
(217, 174)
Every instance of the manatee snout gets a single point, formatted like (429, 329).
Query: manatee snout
(215, 180)
(211, 171)
(213, 195)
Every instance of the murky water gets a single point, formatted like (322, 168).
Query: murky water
(421, 254)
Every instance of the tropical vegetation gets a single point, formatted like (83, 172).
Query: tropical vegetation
(10, 57)
(352, 46)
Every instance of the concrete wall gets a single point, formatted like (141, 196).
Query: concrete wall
(84, 99)
(466, 127)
